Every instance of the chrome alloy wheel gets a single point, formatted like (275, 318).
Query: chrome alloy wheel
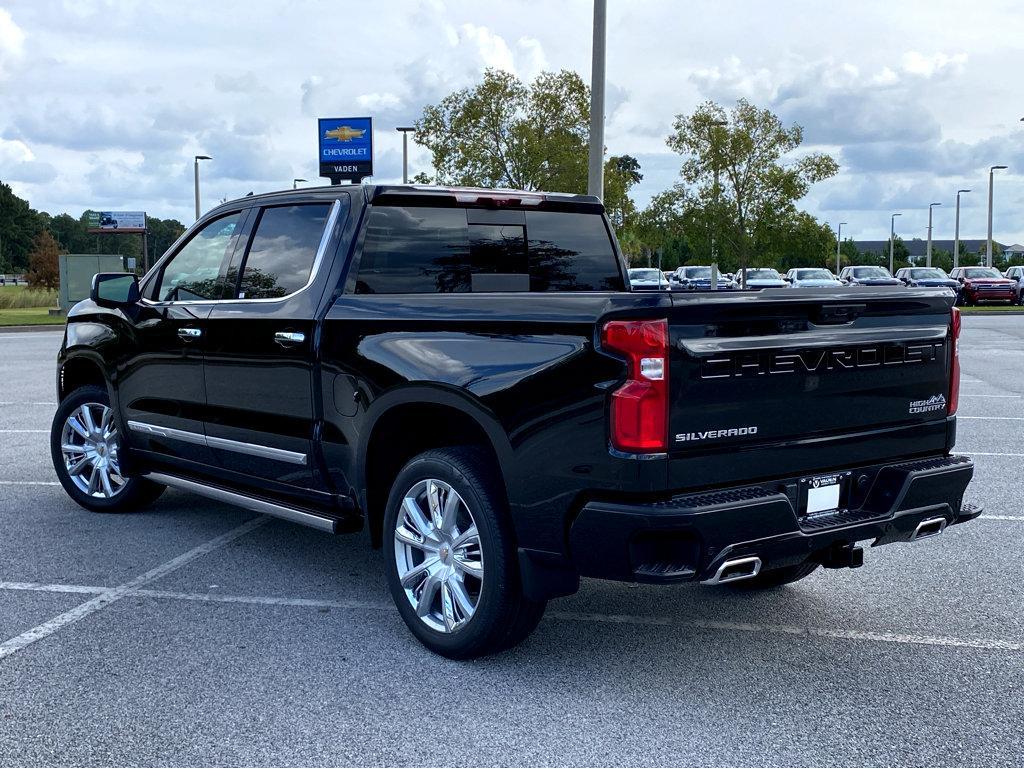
(89, 444)
(438, 555)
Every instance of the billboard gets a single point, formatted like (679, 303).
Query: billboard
(117, 221)
(346, 147)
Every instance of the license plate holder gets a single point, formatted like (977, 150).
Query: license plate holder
(823, 494)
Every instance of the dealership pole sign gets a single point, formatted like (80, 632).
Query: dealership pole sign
(116, 222)
(346, 148)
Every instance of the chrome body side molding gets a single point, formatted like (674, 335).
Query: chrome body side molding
(253, 449)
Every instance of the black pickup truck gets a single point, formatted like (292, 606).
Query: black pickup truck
(467, 374)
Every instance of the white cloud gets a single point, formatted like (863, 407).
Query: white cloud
(936, 64)
(12, 40)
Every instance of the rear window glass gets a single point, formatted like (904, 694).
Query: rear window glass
(282, 252)
(412, 249)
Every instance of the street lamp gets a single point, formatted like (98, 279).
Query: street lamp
(714, 195)
(406, 130)
(928, 261)
(988, 243)
(839, 243)
(956, 232)
(892, 241)
(197, 159)
(295, 183)
(595, 161)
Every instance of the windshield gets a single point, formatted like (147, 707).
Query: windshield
(871, 272)
(763, 273)
(814, 275)
(651, 274)
(928, 273)
(697, 273)
(982, 272)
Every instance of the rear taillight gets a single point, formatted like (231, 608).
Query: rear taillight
(639, 412)
(954, 373)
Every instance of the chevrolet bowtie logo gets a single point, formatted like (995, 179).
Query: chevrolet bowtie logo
(344, 133)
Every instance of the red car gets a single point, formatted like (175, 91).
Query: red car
(983, 284)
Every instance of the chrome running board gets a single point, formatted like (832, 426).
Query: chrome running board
(275, 509)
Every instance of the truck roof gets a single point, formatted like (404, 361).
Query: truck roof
(461, 195)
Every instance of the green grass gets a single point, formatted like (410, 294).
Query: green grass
(30, 316)
(21, 297)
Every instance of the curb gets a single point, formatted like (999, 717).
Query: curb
(42, 327)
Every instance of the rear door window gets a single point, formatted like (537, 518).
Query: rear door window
(281, 255)
(413, 249)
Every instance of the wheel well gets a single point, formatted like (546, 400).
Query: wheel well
(402, 433)
(78, 372)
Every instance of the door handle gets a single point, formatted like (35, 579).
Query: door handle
(288, 338)
(189, 334)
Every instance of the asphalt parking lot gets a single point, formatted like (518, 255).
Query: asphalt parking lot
(196, 633)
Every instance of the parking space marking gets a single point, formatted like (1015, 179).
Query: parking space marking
(988, 453)
(987, 644)
(999, 419)
(979, 395)
(28, 403)
(1001, 517)
(24, 431)
(29, 483)
(112, 595)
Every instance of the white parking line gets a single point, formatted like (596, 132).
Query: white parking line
(988, 453)
(111, 595)
(28, 403)
(997, 419)
(24, 431)
(979, 395)
(29, 483)
(989, 644)
(1001, 517)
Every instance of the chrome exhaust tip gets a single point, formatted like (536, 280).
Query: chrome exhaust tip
(735, 570)
(929, 527)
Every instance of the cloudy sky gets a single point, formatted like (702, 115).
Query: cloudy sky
(103, 104)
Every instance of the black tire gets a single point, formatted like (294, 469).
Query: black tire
(778, 577)
(503, 616)
(135, 494)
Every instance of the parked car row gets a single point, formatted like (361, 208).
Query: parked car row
(970, 284)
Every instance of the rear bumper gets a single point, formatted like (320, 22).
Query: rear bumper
(688, 537)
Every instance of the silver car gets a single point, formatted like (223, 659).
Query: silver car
(812, 277)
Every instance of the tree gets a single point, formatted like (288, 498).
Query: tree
(43, 262)
(19, 225)
(505, 133)
(621, 174)
(734, 166)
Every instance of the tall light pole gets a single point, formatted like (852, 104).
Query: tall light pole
(928, 259)
(712, 125)
(295, 183)
(405, 130)
(595, 166)
(988, 243)
(839, 243)
(197, 159)
(956, 231)
(892, 242)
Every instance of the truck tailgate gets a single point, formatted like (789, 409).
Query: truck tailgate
(769, 368)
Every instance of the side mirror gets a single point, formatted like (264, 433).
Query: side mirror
(113, 289)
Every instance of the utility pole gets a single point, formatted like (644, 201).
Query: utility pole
(956, 232)
(988, 243)
(839, 243)
(295, 183)
(405, 130)
(928, 258)
(595, 167)
(197, 159)
(892, 242)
